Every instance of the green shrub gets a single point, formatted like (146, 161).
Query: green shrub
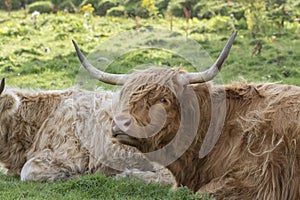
(176, 9)
(41, 6)
(116, 11)
(102, 7)
(201, 11)
(220, 22)
(134, 8)
(238, 11)
(67, 5)
(16, 4)
(72, 6)
(162, 5)
(241, 24)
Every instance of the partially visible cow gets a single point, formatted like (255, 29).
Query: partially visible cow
(55, 135)
(239, 141)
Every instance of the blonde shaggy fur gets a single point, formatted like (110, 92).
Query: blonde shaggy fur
(257, 155)
(56, 135)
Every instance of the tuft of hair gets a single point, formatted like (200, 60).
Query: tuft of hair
(142, 81)
(9, 103)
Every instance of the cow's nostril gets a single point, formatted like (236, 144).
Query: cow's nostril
(121, 124)
(113, 123)
(127, 122)
(120, 128)
(114, 128)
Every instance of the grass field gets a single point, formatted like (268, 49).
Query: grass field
(33, 52)
(39, 54)
(89, 187)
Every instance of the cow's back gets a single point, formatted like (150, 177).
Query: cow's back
(19, 128)
(260, 143)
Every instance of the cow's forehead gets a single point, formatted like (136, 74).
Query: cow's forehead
(168, 77)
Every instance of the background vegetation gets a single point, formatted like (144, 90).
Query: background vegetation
(36, 52)
(37, 47)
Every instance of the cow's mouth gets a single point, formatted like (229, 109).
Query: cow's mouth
(120, 128)
(124, 138)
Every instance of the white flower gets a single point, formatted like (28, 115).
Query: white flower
(86, 15)
(35, 14)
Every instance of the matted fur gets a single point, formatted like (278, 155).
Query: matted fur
(258, 153)
(54, 135)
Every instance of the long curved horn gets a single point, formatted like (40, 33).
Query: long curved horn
(113, 79)
(209, 74)
(2, 85)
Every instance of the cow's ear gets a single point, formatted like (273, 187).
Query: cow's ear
(2, 85)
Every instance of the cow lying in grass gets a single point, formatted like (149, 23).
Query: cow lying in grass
(55, 135)
(234, 142)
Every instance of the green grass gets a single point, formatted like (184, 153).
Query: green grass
(89, 187)
(39, 54)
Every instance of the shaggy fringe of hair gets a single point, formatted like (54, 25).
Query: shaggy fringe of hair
(9, 104)
(154, 76)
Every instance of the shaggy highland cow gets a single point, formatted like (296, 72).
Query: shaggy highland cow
(239, 141)
(54, 135)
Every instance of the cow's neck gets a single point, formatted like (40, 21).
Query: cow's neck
(188, 168)
(191, 171)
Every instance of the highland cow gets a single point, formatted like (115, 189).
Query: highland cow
(56, 135)
(238, 141)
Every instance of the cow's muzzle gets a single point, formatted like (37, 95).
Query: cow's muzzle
(121, 128)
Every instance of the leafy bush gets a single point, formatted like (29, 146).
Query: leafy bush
(220, 22)
(116, 11)
(176, 9)
(67, 5)
(201, 11)
(41, 6)
(72, 6)
(17, 4)
(134, 8)
(162, 5)
(102, 7)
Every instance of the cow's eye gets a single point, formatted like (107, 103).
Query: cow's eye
(164, 101)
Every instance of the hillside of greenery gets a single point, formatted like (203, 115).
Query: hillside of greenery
(148, 8)
(36, 52)
(36, 48)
